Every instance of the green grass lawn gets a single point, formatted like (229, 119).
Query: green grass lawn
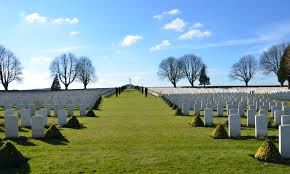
(134, 134)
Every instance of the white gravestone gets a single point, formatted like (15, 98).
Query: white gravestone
(8, 112)
(273, 109)
(43, 112)
(277, 117)
(25, 117)
(70, 109)
(11, 126)
(234, 126)
(233, 111)
(285, 119)
(284, 141)
(61, 118)
(48, 108)
(251, 117)
(220, 110)
(208, 117)
(196, 109)
(286, 110)
(261, 126)
(263, 112)
(82, 109)
(185, 109)
(241, 109)
(37, 126)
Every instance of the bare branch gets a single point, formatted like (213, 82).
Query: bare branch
(245, 69)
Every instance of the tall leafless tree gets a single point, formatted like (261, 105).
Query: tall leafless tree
(10, 67)
(65, 67)
(170, 68)
(244, 69)
(86, 71)
(191, 66)
(270, 60)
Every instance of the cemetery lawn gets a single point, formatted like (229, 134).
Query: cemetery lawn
(134, 134)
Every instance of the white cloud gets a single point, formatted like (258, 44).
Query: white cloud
(130, 40)
(170, 12)
(163, 44)
(158, 17)
(197, 25)
(38, 19)
(40, 59)
(65, 21)
(177, 25)
(195, 34)
(173, 12)
(74, 33)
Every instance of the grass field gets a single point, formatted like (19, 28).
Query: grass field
(134, 134)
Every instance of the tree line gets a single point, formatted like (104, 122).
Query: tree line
(65, 68)
(188, 66)
(275, 60)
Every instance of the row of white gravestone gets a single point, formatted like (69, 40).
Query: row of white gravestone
(37, 122)
(261, 130)
(46, 111)
(260, 122)
(281, 93)
(11, 126)
(256, 90)
(24, 99)
(224, 99)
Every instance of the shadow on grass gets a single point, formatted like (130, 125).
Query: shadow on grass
(251, 137)
(81, 127)
(23, 141)
(23, 169)
(285, 162)
(62, 141)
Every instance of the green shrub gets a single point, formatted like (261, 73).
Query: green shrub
(91, 113)
(73, 122)
(174, 106)
(97, 103)
(197, 122)
(220, 132)
(55, 84)
(178, 112)
(268, 152)
(10, 157)
(53, 133)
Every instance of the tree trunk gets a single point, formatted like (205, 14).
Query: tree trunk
(173, 83)
(192, 84)
(85, 86)
(281, 83)
(246, 83)
(66, 86)
(5, 87)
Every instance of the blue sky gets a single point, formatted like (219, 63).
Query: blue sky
(128, 39)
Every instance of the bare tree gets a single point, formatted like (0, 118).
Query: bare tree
(244, 69)
(191, 66)
(86, 71)
(170, 68)
(270, 60)
(65, 67)
(10, 67)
